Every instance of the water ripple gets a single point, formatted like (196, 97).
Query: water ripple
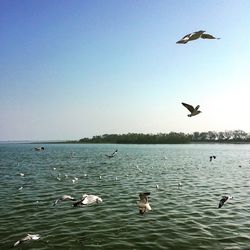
(182, 217)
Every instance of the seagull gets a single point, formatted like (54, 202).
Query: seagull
(113, 154)
(26, 238)
(194, 36)
(193, 111)
(211, 157)
(64, 198)
(22, 174)
(39, 148)
(143, 204)
(20, 188)
(87, 199)
(223, 200)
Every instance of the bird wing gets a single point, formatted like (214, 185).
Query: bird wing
(114, 152)
(144, 197)
(208, 36)
(56, 201)
(17, 243)
(197, 107)
(184, 39)
(189, 107)
(222, 201)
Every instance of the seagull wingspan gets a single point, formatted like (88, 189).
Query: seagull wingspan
(189, 107)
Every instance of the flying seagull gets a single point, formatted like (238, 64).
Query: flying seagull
(64, 198)
(143, 204)
(26, 238)
(193, 111)
(212, 157)
(39, 148)
(87, 199)
(113, 154)
(223, 200)
(194, 36)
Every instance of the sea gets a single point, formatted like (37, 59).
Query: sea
(185, 189)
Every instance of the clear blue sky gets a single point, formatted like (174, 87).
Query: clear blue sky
(74, 69)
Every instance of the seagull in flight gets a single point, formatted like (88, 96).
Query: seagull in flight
(193, 111)
(143, 203)
(224, 199)
(39, 148)
(113, 154)
(87, 199)
(194, 36)
(27, 238)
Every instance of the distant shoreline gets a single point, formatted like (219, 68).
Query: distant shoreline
(213, 137)
(76, 142)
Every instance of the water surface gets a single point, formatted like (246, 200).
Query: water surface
(185, 217)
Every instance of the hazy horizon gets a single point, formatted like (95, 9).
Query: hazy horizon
(82, 68)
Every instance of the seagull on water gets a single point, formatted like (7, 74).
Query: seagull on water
(212, 157)
(87, 199)
(194, 36)
(64, 198)
(27, 238)
(143, 204)
(193, 111)
(224, 199)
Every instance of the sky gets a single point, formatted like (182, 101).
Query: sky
(75, 69)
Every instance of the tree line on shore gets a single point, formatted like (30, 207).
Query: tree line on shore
(229, 136)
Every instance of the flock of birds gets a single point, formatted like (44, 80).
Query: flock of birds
(90, 199)
(143, 203)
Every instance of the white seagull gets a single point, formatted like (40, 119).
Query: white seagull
(224, 199)
(26, 238)
(194, 36)
(87, 199)
(143, 204)
(193, 111)
(64, 198)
